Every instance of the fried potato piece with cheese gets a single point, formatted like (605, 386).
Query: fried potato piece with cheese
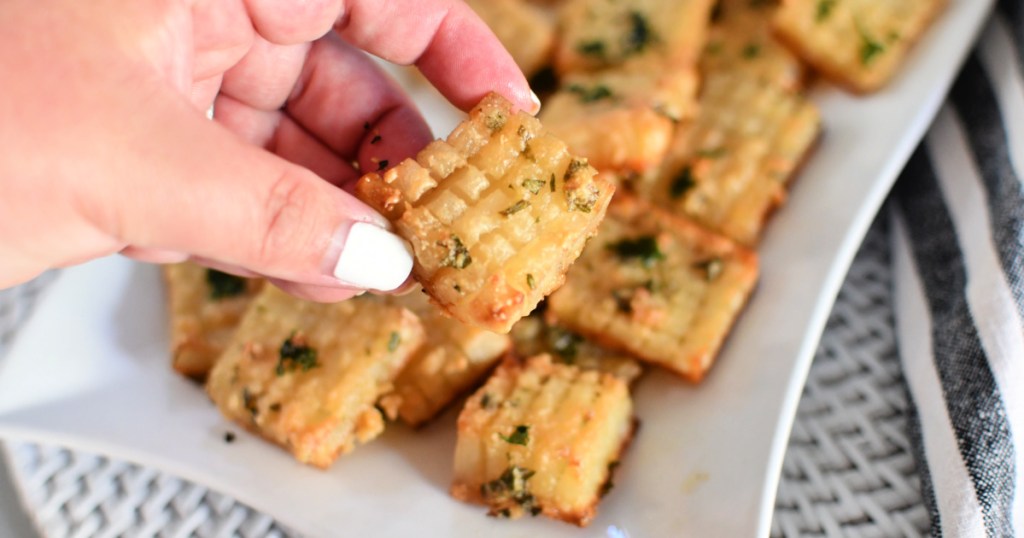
(598, 34)
(741, 40)
(451, 361)
(532, 335)
(542, 438)
(730, 168)
(307, 376)
(527, 33)
(859, 44)
(658, 286)
(205, 307)
(495, 214)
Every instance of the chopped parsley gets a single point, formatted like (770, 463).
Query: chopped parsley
(486, 401)
(375, 139)
(394, 341)
(590, 95)
(249, 402)
(712, 153)
(382, 165)
(552, 183)
(223, 285)
(296, 354)
(530, 281)
(682, 183)
(870, 47)
(752, 50)
(565, 344)
(495, 122)
(592, 48)
(515, 208)
(824, 10)
(511, 486)
(458, 255)
(534, 185)
(521, 436)
(645, 249)
(583, 199)
(640, 34)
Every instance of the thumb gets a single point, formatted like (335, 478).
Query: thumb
(195, 188)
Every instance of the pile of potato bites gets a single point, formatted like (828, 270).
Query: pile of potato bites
(558, 256)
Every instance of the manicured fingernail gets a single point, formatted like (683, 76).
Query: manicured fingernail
(373, 258)
(536, 102)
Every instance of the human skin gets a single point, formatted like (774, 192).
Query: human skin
(106, 147)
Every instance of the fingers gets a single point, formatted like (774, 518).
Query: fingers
(266, 76)
(186, 184)
(344, 99)
(453, 48)
(288, 23)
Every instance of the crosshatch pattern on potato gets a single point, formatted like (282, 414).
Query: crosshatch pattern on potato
(859, 44)
(307, 376)
(542, 438)
(658, 286)
(205, 308)
(451, 362)
(495, 214)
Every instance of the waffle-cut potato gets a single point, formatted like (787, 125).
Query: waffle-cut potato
(307, 376)
(857, 43)
(451, 362)
(524, 29)
(597, 34)
(495, 214)
(205, 307)
(532, 335)
(658, 286)
(542, 438)
(730, 167)
(741, 40)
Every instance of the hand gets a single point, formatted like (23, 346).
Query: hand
(106, 148)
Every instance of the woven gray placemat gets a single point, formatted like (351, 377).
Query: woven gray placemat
(848, 470)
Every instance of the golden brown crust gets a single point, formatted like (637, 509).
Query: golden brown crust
(658, 286)
(859, 44)
(495, 214)
(533, 335)
(203, 318)
(306, 376)
(541, 438)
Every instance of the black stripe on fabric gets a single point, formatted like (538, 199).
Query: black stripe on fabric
(978, 108)
(972, 398)
(925, 474)
(1013, 10)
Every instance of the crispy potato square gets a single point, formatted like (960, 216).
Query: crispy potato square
(658, 286)
(857, 43)
(495, 214)
(527, 33)
(205, 307)
(307, 376)
(533, 335)
(597, 34)
(452, 360)
(730, 168)
(542, 438)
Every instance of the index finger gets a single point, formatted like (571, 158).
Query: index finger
(446, 40)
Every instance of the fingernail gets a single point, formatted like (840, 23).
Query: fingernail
(373, 258)
(536, 102)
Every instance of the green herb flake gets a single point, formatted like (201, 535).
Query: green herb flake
(394, 341)
(594, 48)
(565, 344)
(223, 285)
(534, 185)
(495, 122)
(870, 47)
(487, 401)
(295, 354)
(382, 165)
(552, 183)
(249, 402)
(458, 255)
(640, 34)
(824, 10)
(515, 208)
(530, 281)
(712, 153)
(375, 139)
(511, 486)
(521, 436)
(590, 95)
(645, 249)
(682, 183)
(751, 50)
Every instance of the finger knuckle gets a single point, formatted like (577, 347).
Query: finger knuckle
(289, 217)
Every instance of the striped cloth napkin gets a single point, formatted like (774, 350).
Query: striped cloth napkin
(959, 282)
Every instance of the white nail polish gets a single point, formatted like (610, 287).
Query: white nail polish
(536, 102)
(373, 258)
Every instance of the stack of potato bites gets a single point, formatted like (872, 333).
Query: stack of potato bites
(557, 255)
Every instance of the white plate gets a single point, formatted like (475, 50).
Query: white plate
(90, 369)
